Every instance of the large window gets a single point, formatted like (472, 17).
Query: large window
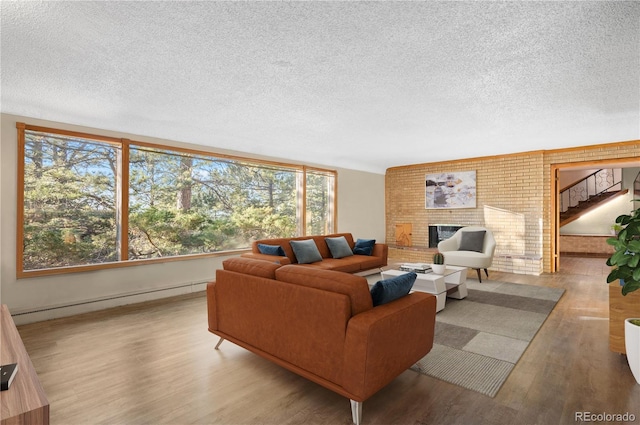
(320, 201)
(70, 212)
(187, 204)
(92, 202)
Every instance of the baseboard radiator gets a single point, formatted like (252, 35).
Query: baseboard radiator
(21, 317)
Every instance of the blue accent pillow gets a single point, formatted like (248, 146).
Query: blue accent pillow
(385, 291)
(271, 249)
(306, 251)
(364, 246)
(339, 247)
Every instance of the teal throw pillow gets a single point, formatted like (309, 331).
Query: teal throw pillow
(339, 247)
(271, 249)
(472, 241)
(306, 251)
(385, 291)
(364, 246)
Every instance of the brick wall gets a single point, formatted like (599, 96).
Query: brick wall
(513, 196)
(587, 245)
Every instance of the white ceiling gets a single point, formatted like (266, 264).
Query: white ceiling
(360, 85)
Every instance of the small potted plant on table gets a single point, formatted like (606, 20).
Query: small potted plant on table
(626, 260)
(438, 266)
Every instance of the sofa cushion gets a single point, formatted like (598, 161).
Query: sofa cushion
(355, 287)
(385, 291)
(347, 264)
(364, 246)
(251, 266)
(472, 241)
(368, 262)
(323, 249)
(339, 247)
(271, 250)
(306, 251)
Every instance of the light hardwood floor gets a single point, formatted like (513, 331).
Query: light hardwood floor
(154, 363)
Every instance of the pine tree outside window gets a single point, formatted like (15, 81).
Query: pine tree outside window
(90, 202)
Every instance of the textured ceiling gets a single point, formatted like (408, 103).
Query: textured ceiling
(360, 85)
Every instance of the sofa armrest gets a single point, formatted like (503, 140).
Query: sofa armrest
(381, 250)
(383, 342)
(265, 257)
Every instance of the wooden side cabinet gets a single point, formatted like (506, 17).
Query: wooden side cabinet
(25, 402)
(620, 308)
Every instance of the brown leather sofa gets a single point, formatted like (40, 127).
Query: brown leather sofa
(320, 324)
(352, 264)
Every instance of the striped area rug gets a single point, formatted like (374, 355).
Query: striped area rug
(479, 340)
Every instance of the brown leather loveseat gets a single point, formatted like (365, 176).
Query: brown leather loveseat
(320, 324)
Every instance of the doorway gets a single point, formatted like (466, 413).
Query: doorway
(588, 233)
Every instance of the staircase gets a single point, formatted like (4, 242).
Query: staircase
(589, 193)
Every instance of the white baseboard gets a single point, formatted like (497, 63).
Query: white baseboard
(40, 314)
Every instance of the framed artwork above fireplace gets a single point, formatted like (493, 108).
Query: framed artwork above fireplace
(450, 190)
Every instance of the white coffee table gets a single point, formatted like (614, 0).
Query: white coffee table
(451, 284)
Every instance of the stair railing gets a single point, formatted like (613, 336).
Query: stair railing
(596, 183)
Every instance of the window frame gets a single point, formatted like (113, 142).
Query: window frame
(122, 188)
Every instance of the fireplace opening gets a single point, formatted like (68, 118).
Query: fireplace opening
(440, 232)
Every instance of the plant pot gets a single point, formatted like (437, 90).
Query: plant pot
(438, 268)
(632, 346)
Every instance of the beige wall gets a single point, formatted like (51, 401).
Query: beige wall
(513, 200)
(360, 211)
(361, 204)
(570, 177)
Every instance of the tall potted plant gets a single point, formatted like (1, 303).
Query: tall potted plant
(626, 263)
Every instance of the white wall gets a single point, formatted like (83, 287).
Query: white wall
(599, 221)
(360, 211)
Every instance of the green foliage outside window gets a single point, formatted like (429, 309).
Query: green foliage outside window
(179, 203)
(319, 203)
(69, 202)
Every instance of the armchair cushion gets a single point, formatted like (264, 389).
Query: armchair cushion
(472, 241)
(385, 291)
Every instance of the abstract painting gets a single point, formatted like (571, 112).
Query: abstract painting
(451, 190)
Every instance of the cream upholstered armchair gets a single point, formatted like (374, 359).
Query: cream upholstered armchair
(470, 246)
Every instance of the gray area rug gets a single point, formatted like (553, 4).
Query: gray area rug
(479, 340)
